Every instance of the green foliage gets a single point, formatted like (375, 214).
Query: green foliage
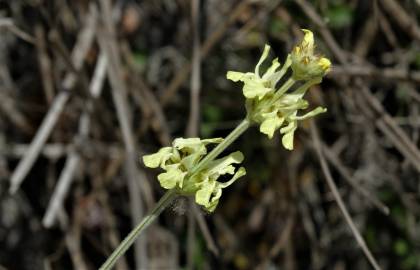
(339, 16)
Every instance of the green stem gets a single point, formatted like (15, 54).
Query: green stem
(283, 89)
(170, 195)
(166, 199)
(241, 128)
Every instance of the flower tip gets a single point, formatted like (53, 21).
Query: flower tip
(308, 39)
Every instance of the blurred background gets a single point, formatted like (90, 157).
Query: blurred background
(88, 87)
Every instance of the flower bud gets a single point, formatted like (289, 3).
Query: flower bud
(306, 65)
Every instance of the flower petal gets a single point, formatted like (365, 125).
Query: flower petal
(271, 123)
(235, 76)
(202, 196)
(255, 88)
(312, 113)
(239, 173)
(263, 57)
(270, 71)
(172, 177)
(157, 159)
(214, 200)
(289, 131)
(221, 166)
(279, 74)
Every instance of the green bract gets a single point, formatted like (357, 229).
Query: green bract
(179, 160)
(276, 108)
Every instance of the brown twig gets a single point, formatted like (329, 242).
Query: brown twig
(84, 41)
(337, 197)
(195, 82)
(371, 72)
(209, 43)
(406, 23)
(9, 110)
(44, 63)
(9, 24)
(388, 126)
(73, 240)
(108, 44)
(73, 159)
(335, 161)
(211, 245)
(193, 119)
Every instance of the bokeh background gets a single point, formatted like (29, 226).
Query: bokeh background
(88, 87)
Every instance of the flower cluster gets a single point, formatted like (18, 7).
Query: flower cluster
(276, 108)
(179, 160)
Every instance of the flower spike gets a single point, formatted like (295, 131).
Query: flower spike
(178, 162)
(276, 108)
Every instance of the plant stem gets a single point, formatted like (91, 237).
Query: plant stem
(166, 199)
(241, 128)
(283, 89)
(170, 195)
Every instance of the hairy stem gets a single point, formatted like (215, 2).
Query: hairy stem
(166, 199)
(170, 195)
(241, 128)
